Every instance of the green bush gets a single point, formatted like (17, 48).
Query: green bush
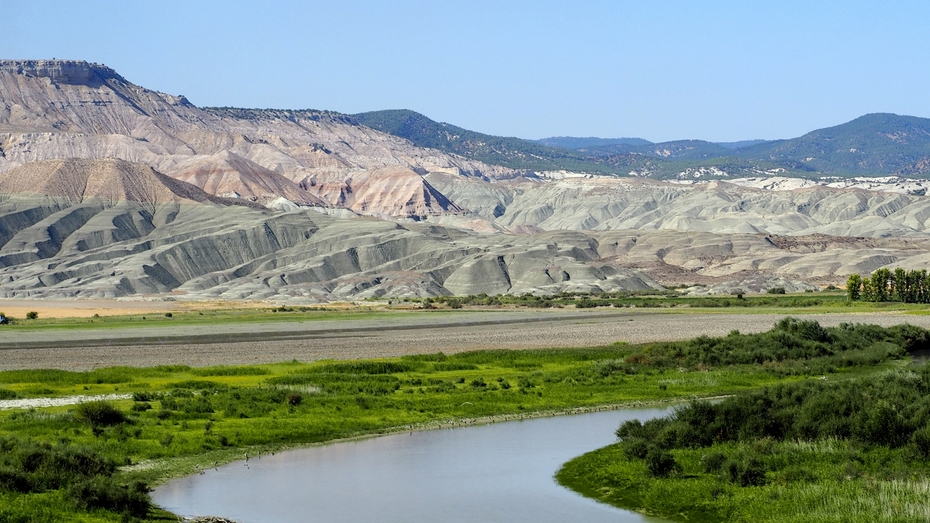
(745, 471)
(99, 414)
(713, 462)
(660, 462)
(32, 315)
(103, 493)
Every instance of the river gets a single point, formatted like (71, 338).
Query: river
(495, 472)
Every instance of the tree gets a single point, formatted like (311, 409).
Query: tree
(899, 284)
(854, 287)
(881, 280)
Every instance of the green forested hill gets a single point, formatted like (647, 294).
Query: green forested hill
(515, 153)
(879, 143)
(874, 144)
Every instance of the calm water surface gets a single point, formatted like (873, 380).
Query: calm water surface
(498, 472)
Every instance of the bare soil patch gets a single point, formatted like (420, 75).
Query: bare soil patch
(18, 308)
(308, 341)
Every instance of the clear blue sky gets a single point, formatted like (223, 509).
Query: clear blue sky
(660, 70)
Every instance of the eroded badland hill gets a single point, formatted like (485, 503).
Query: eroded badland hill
(108, 189)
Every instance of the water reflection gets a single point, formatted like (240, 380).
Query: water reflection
(498, 472)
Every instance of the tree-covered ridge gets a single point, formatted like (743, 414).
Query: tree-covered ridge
(572, 142)
(510, 152)
(874, 144)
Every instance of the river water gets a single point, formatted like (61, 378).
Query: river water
(496, 472)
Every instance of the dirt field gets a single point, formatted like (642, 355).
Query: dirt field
(351, 339)
(87, 308)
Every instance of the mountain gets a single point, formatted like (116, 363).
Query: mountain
(874, 144)
(677, 150)
(514, 153)
(70, 109)
(740, 144)
(109, 189)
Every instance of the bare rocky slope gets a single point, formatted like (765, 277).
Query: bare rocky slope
(109, 189)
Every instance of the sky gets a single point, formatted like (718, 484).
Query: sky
(660, 70)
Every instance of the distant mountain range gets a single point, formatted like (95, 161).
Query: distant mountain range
(878, 144)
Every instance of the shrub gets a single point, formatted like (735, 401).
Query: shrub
(920, 442)
(141, 407)
(713, 462)
(294, 399)
(746, 472)
(636, 448)
(103, 493)
(99, 414)
(32, 315)
(776, 290)
(660, 462)
(144, 396)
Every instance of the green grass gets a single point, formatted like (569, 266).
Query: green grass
(182, 417)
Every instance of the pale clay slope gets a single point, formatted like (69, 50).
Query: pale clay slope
(62, 240)
(77, 245)
(718, 207)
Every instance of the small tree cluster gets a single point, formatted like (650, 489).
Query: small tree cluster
(884, 285)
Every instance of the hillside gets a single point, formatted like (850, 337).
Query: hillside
(571, 142)
(874, 144)
(510, 152)
(69, 109)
